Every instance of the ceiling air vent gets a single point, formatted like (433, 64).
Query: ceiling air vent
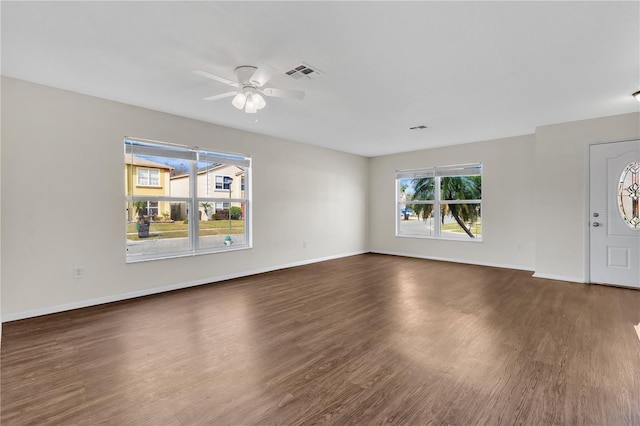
(303, 71)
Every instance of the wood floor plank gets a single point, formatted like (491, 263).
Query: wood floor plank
(368, 339)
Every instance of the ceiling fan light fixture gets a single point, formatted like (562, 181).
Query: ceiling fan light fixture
(250, 92)
(250, 106)
(239, 100)
(258, 100)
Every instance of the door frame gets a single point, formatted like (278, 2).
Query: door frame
(587, 204)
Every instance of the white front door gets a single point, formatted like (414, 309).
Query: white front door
(614, 201)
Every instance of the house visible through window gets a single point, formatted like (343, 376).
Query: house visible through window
(440, 202)
(172, 208)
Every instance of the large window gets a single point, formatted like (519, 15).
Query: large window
(170, 207)
(440, 202)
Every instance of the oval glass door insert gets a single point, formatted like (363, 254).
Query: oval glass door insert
(629, 195)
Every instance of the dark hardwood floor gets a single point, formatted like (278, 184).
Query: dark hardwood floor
(368, 339)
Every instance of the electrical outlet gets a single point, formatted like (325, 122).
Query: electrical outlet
(305, 244)
(78, 272)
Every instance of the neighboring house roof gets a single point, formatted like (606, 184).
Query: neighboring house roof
(143, 162)
(202, 170)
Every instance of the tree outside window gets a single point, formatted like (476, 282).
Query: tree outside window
(440, 202)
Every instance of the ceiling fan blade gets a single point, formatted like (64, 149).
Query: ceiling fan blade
(217, 78)
(221, 96)
(283, 93)
(263, 74)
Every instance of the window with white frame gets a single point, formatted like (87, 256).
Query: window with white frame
(440, 202)
(148, 177)
(150, 208)
(223, 182)
(223, 206)
(183, 218)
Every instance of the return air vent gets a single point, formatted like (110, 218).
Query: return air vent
(303, 71)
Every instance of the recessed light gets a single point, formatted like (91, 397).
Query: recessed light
(420, 127)
(637, 95)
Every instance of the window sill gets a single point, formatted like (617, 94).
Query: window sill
(431, 237)
(147, 258)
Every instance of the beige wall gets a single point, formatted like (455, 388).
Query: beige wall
(180, 186)
(1, 137)
(508, 221)
(83, 136)
(535, 193)
(534, 200)
(562, 224)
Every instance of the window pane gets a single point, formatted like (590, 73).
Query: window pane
(629, 195)
(461, 188)
(219, 182)
(156, 227)
(223, 227)
(215, 180)
(143, 176)
(154, 177)
(419, 188)
(416, 219)
(461, 221)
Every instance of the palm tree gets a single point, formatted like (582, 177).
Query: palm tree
(423, 189)
(139, 207)
(451, 188)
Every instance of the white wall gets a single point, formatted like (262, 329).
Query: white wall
(508, 221)
(63, 152)
(0, 215)
(562, 191)
(535, 191)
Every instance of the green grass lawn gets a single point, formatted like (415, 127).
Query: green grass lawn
(179, 229)
(476, 228)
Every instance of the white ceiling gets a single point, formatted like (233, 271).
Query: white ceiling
(471, 71)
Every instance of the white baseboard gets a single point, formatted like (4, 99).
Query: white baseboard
(156, 290)
(559, 278)
(447, 259)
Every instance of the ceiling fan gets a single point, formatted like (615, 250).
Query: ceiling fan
(250, 84)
